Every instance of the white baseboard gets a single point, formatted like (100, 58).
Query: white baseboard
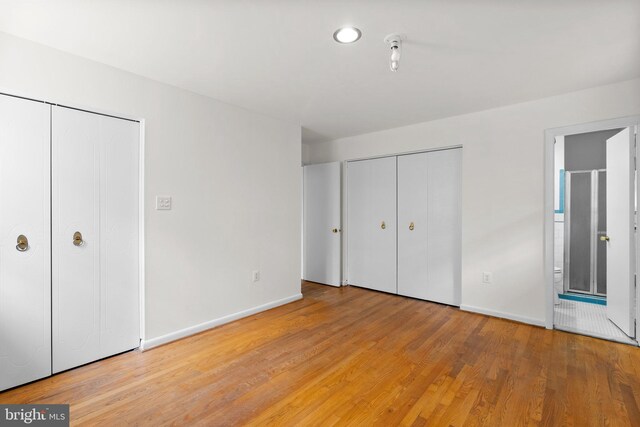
(182, 333)
(322, 283)
(493, 313)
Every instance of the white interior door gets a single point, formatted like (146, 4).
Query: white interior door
(322, 223)
(429, 187)
(94, 278)
(25, 269)
(621, 230)
(371, 223)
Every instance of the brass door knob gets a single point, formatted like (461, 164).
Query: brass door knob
(411, 227)
(23, 243)
(77, 239)
(335, 230)
(383, 225)
(604, 238)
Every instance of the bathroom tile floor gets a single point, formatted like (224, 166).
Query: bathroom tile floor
(587, 319)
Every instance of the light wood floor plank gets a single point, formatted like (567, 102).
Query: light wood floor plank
(349, 356)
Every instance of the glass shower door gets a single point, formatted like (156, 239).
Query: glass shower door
(585, 219)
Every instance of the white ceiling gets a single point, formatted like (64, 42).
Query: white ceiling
(279, 58)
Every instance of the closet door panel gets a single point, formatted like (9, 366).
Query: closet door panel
(119, 236)
(25, 274)
(444, 226)
(429, 194)
(371, 245)
(413, 247)
(76, 208)
(96, 193)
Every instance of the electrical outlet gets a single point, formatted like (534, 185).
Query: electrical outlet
(163, 203)
(487, 277)
(256, 276)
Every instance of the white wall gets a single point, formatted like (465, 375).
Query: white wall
(502, 212)
(234, 176)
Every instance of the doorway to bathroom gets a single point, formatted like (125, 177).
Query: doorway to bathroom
(594, 237)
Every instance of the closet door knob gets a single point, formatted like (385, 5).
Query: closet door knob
(23, 243)
(604, 238)
(77, 239)
(383, 225)
(411, 226)
(335, 230)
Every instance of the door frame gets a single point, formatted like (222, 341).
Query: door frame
(345, 204)
(548, 202)
(141, 184)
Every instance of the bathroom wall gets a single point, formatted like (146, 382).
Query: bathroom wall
(586, 151)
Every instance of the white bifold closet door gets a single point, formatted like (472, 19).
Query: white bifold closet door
(322, 223)
(95, 161)
(371, 224)
(429, 235)
(25, 247)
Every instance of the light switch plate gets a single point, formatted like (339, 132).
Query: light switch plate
(163, 203)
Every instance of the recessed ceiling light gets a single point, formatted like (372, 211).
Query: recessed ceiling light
(347, 35)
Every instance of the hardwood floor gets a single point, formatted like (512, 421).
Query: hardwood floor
(357, 357)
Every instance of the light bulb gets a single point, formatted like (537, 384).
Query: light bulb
(395, 54)
(394, 41)
(395, 58)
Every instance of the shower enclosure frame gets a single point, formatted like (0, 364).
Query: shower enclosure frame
(594, 233)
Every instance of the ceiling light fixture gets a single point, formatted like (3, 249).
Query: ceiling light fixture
(395, 43)
(347, 35)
